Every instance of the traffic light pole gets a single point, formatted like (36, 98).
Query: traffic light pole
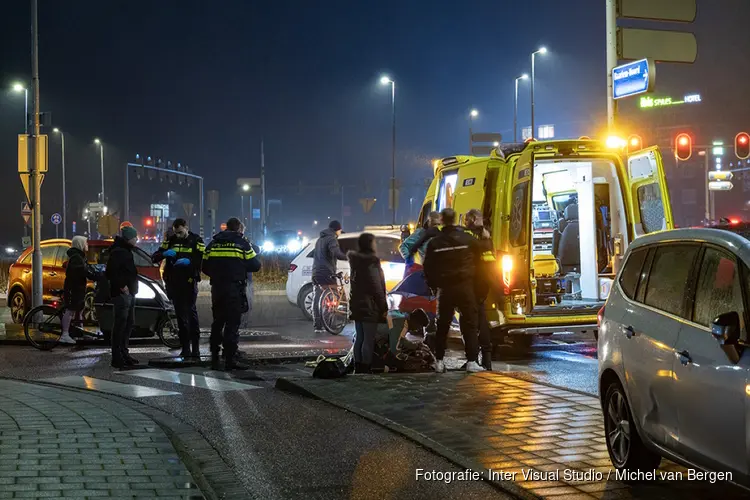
(36, 180)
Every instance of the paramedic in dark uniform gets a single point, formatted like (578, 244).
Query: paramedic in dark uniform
(449, 266)
(183, 253)
(228, 259)
(486, 269)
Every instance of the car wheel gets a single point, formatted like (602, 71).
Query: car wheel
(305, 300)
(89, 310)
(624, 444)
(18, 306)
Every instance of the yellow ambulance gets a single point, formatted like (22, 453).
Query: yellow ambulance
(561, 214)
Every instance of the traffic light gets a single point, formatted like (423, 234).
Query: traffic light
(635, 143)
(742, 145)
(149, 222)
(683, 147)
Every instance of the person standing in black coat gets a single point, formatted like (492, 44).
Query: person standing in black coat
(327, 252)
(77, 274)
(123, 287)
(368, 306)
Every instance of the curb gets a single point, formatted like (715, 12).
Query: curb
(205, 361)
(288, 385)
(208, 469)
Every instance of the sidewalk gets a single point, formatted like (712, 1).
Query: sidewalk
(493, 421)
(56, 443)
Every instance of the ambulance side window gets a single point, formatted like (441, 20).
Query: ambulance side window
(519, 206)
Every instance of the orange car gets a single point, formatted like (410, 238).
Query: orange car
(54, 260)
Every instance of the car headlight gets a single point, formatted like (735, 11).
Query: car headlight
(293, 246)
(393, 271)
(268, 246)
(145, 292)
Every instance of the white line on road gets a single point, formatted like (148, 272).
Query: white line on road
(116, 388)
(189, 379)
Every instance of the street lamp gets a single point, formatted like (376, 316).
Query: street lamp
(64, 200)
(101, 162)
(515, 108)
(387, 81)
(17, 87)
(472, 114)
(246, 187)
(542, 50)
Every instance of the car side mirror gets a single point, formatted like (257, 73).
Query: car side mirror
(726, 330)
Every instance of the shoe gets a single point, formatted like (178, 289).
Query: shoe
(473, 367)
(439, 366)
(131, 361)
(235, 365)
(66, 339)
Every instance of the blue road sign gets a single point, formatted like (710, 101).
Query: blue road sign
(256, 213)
(633, 78)
(56, 219)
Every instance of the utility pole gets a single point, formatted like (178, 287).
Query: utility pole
(262, 190)
(611, 28)
(36, 184)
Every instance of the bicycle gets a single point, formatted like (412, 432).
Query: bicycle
(42, 325)
(334, 306)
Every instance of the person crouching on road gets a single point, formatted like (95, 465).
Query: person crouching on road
(368, 305)
(123, 287)
(449, 267)
(77, 274)
(327, 252)
(183, 253)
(228, 259)
(486, 269)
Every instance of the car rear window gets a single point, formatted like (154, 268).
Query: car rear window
(668, 277)
(631, 273)
(387, 249)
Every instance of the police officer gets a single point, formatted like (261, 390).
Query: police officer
(486, 270)
(450, 266)
(183, 253)
(228, 259)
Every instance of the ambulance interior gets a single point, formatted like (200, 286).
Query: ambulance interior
(578, 213)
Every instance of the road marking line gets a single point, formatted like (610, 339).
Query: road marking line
(117, 388)
(192, 380)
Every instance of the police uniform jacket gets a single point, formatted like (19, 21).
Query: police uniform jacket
(229, 257)
(191, 248)
(451, 258)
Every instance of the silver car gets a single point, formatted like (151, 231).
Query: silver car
(674, 379)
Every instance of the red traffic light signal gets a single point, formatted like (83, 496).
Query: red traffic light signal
(634, 143)
(683, 147)
(742, 145)
(149, 222)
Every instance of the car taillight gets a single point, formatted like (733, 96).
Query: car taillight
(292, 268)
(506, 266)
(600, 317)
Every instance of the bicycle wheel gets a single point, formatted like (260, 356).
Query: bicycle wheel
(43, 327)
(334, 311)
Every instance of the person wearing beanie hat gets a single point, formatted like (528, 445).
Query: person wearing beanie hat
(327, 252)
(123, 285)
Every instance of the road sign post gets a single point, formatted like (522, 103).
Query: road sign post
(720, 186)
(56, 220)
(633, 78)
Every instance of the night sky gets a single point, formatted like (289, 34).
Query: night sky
(202, 82)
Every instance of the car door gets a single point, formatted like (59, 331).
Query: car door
(650, 327)
(53, 274)
(651, 209)
(710, 390)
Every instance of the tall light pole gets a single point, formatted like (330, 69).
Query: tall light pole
(542, 50)
(245, 189)
(387, 81)
(515, 108)
(65, 202)
(472, 114)
(35, 187)
(17, 87)
(101, 163)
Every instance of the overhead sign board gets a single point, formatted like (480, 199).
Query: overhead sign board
(660, 102)
(23, 160)
(658, 45)
(633, 78)
(720, 186)
(658, 10)
(718, 175)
